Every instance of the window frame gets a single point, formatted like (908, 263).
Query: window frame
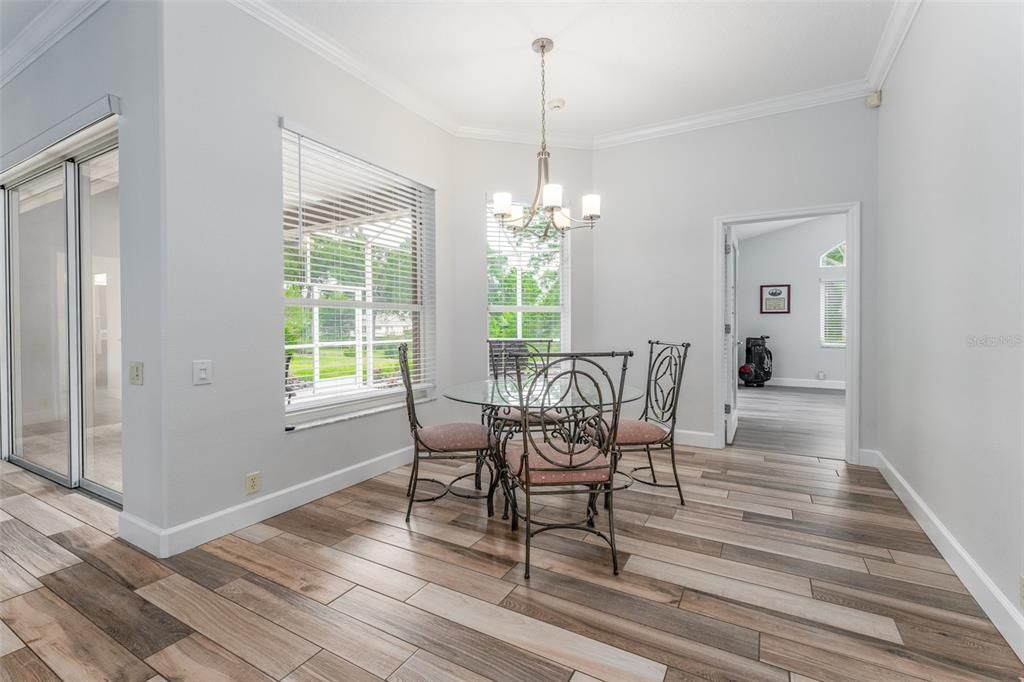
(564, 307)
(822, 286)
(367, 398)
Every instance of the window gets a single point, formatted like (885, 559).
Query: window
(526, 285)
(834, 257)
(358, 277)
(833, 312)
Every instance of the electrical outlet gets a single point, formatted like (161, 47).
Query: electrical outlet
(252, 483)
(821, 375)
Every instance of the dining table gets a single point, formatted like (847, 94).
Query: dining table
(500, 395)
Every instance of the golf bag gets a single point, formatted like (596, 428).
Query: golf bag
(758, 366)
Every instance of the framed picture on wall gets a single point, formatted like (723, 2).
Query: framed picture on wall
(774, 298)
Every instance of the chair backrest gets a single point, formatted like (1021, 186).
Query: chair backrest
(410, 403)
(664, 382)
(502, 353)
(573, 405)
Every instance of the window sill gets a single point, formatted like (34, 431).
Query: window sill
(833, 345)
(313, 422)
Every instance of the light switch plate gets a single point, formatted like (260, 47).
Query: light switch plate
(135, 376)
(202, 372)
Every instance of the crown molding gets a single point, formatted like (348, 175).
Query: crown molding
(55, 21)
(522, 137)
(897, 26)
(893, 35)
(60, 18)
(332, 52)
(744, 112)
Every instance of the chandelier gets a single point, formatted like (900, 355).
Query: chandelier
(547, 208)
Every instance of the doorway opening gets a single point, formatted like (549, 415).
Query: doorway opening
(787, 309)
(61, 375)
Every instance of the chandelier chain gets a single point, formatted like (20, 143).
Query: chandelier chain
(543, 102)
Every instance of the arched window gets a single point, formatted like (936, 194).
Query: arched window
(833, 298)
(834, 257)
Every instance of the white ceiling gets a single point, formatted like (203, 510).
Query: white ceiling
(628, 70)
(619, 65)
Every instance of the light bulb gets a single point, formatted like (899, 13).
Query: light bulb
(502, 204)
(552, 196)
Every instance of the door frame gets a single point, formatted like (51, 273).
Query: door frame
(69, 163)
(852, 211)
(731, 317)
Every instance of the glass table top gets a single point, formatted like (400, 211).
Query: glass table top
(503, 393)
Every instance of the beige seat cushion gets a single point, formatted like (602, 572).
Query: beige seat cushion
(639, 432)
(543, 472)
(455, 437)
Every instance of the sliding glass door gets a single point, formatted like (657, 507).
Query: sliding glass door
(40, 373)
(62, 370)
(100, 234)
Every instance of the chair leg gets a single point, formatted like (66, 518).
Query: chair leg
(515, 509)
(611, 530)
(607, 496)
(492, 486)
(510, 503)
(654, 476)
(412, 482)
(591, 507)
(479, 466)
(527, 574)
(412, 474)
(675, 472)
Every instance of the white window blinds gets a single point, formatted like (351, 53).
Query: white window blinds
(525, 280)
(358, 277)
(833, 312)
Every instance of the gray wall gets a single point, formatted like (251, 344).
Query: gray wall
(200, 174)
(119, 51)
(653, 251)
(790, 256)
(949, 261)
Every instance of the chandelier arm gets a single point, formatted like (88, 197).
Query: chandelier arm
(542, 178)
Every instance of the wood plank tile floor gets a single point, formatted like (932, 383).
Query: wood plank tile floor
(780, 567)
(797, 421)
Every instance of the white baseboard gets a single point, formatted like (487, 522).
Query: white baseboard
(698, 439)
(807, 383)
(999, 608)
(165, 542)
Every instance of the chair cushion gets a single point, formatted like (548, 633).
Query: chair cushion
(455, 437)
(639, 432)
(543, 472)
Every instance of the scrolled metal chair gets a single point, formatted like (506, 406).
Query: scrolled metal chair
(573, 454)
(655, 429)
(503, 355)
(444, 441)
